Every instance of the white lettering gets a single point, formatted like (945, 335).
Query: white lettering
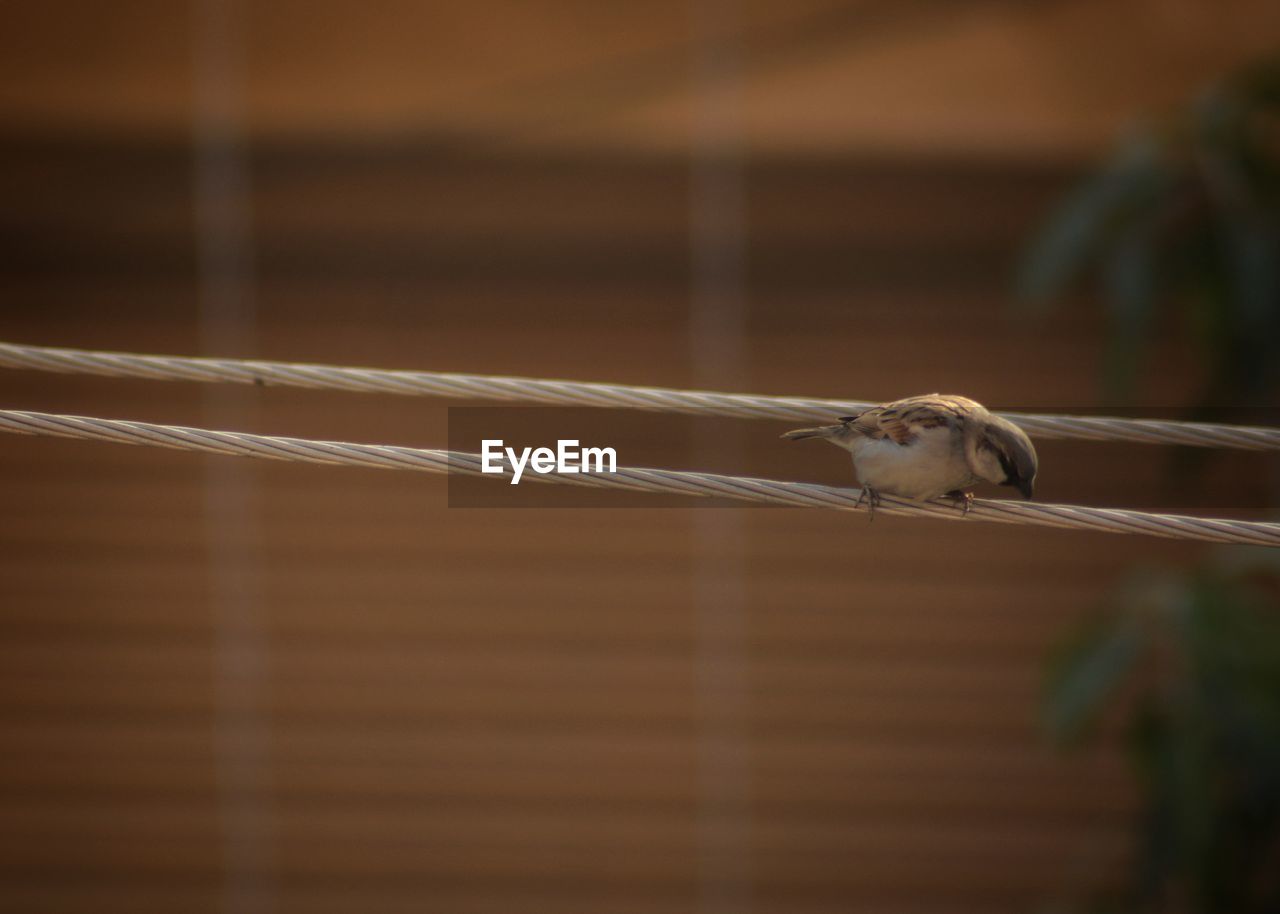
(492, 450)
(517, 463)
(567, 458)
(544, 460)
(566, 454)
(600, 453)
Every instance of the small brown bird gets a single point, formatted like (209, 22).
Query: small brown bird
(931, 446)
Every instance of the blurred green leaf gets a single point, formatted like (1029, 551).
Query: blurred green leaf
(1129, 279)
(1189, 215)
(1076, 232)
(1203, 727)
(1085, 674)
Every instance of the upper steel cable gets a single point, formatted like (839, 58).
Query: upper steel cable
(582, 393)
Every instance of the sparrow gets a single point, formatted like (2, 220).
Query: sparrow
(931, 446)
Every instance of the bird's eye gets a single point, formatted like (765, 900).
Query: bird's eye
(1010, 472)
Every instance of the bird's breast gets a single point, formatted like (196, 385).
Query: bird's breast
(932, 464)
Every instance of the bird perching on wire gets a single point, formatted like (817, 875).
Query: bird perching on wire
(931, 446)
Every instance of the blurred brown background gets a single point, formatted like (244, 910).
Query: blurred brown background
(247, 687)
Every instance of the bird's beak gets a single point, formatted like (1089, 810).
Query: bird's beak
(1027, 487)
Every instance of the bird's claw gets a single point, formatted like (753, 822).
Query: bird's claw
(962, 500)
(873, 501)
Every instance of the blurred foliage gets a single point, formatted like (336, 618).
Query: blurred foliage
(1187, 663)
(1181, 226)
(1183, 218)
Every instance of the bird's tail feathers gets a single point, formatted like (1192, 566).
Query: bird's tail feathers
(823, 431)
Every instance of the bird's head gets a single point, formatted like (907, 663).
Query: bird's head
(1006, 456)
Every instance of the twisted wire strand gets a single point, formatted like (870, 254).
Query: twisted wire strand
(795, 494)
(581, 393)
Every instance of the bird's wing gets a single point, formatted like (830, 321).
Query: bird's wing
(901, 420)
